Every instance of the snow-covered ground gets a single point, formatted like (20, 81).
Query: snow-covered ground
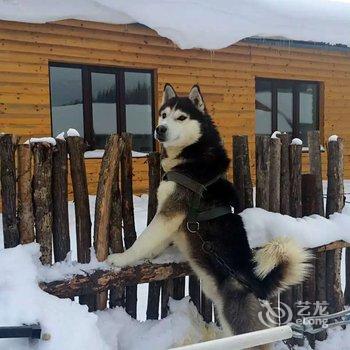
(71, 326)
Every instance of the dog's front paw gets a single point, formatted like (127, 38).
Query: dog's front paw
(117, 260)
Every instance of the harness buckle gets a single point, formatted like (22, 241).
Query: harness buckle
(192, 227)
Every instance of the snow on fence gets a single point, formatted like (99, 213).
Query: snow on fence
(34, 192)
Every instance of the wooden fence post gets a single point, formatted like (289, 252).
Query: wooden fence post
(128, 215)
(320, 257)
(167, 292)
(109, 164)
(154, 288)
(309, 204)
(25, 199)
(295, 180)
(241, 172)
(275, 175)
(285, 176)
(8, 191)
(76, 148)
(296, 210)
(60, 229)
(347, 278)
(335, 203)
(286, 297)
(316, 167)
(117, 295)
(42, 181)
(206, 308)
(195, 291)
(262, 154)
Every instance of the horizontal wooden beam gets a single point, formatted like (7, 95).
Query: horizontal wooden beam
(101, 280)
(333, 246)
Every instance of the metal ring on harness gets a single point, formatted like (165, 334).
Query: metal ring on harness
(193, 227)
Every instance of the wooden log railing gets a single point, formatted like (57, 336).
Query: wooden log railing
(280, 187)
(102, 280)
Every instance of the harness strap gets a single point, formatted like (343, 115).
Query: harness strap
(185, 181)
(214, 213)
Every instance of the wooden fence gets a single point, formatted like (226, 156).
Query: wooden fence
(35, 208)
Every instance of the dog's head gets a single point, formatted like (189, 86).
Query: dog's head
(180, 118)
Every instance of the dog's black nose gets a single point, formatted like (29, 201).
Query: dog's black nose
(161, 130)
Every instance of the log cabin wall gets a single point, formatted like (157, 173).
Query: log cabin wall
(226, 77)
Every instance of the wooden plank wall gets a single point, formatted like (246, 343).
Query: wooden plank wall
(226, 77)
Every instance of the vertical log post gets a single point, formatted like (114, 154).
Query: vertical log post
(42, 182)
(320, 258)
(275, 174)
(296, 210)
(262, 153)
(108, 168)
(167, 292)
(76, 148)
(128, 215)
(117, 295)
(8, 191)
(241, 172)
(195, 291)
(25, 199)
(285, 176)
(295, 180)
(335, 203)
(60, 229)
(286, 297)
(206, 308)
(309, 204)
(347, 278)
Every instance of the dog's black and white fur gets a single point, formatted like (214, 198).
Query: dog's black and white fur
(193, 147)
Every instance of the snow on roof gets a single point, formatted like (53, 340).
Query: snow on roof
(210, 24)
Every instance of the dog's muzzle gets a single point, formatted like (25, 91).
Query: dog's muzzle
(161, 132)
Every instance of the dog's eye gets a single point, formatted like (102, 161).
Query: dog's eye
(163, 115)
(182, 117)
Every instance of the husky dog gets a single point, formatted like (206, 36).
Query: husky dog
(194, 149)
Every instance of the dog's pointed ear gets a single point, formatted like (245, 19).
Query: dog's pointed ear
(168, 93)
(197, 99)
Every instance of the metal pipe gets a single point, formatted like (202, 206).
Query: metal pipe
(244, 341)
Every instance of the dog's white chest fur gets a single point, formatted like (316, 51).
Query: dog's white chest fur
(165, 190)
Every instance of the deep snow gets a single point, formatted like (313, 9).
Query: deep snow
(210, 24)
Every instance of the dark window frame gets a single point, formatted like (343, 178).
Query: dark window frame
(295, 84)
(119, 72)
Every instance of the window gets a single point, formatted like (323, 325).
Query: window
(286, 105)
(99, 101)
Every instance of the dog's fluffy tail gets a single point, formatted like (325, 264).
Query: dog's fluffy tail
(280, 264)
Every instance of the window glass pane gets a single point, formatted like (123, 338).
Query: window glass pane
(138, 109)
(285, 109)
(104, 109)
(263, 103)
(66, 99)
(307, 109)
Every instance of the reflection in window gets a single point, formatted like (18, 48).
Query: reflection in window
(285, 109)
(138, 109)
(286, 105)
(66, 99)
(104, 109)
(307, 109)
(263, 105)
(102, 101)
